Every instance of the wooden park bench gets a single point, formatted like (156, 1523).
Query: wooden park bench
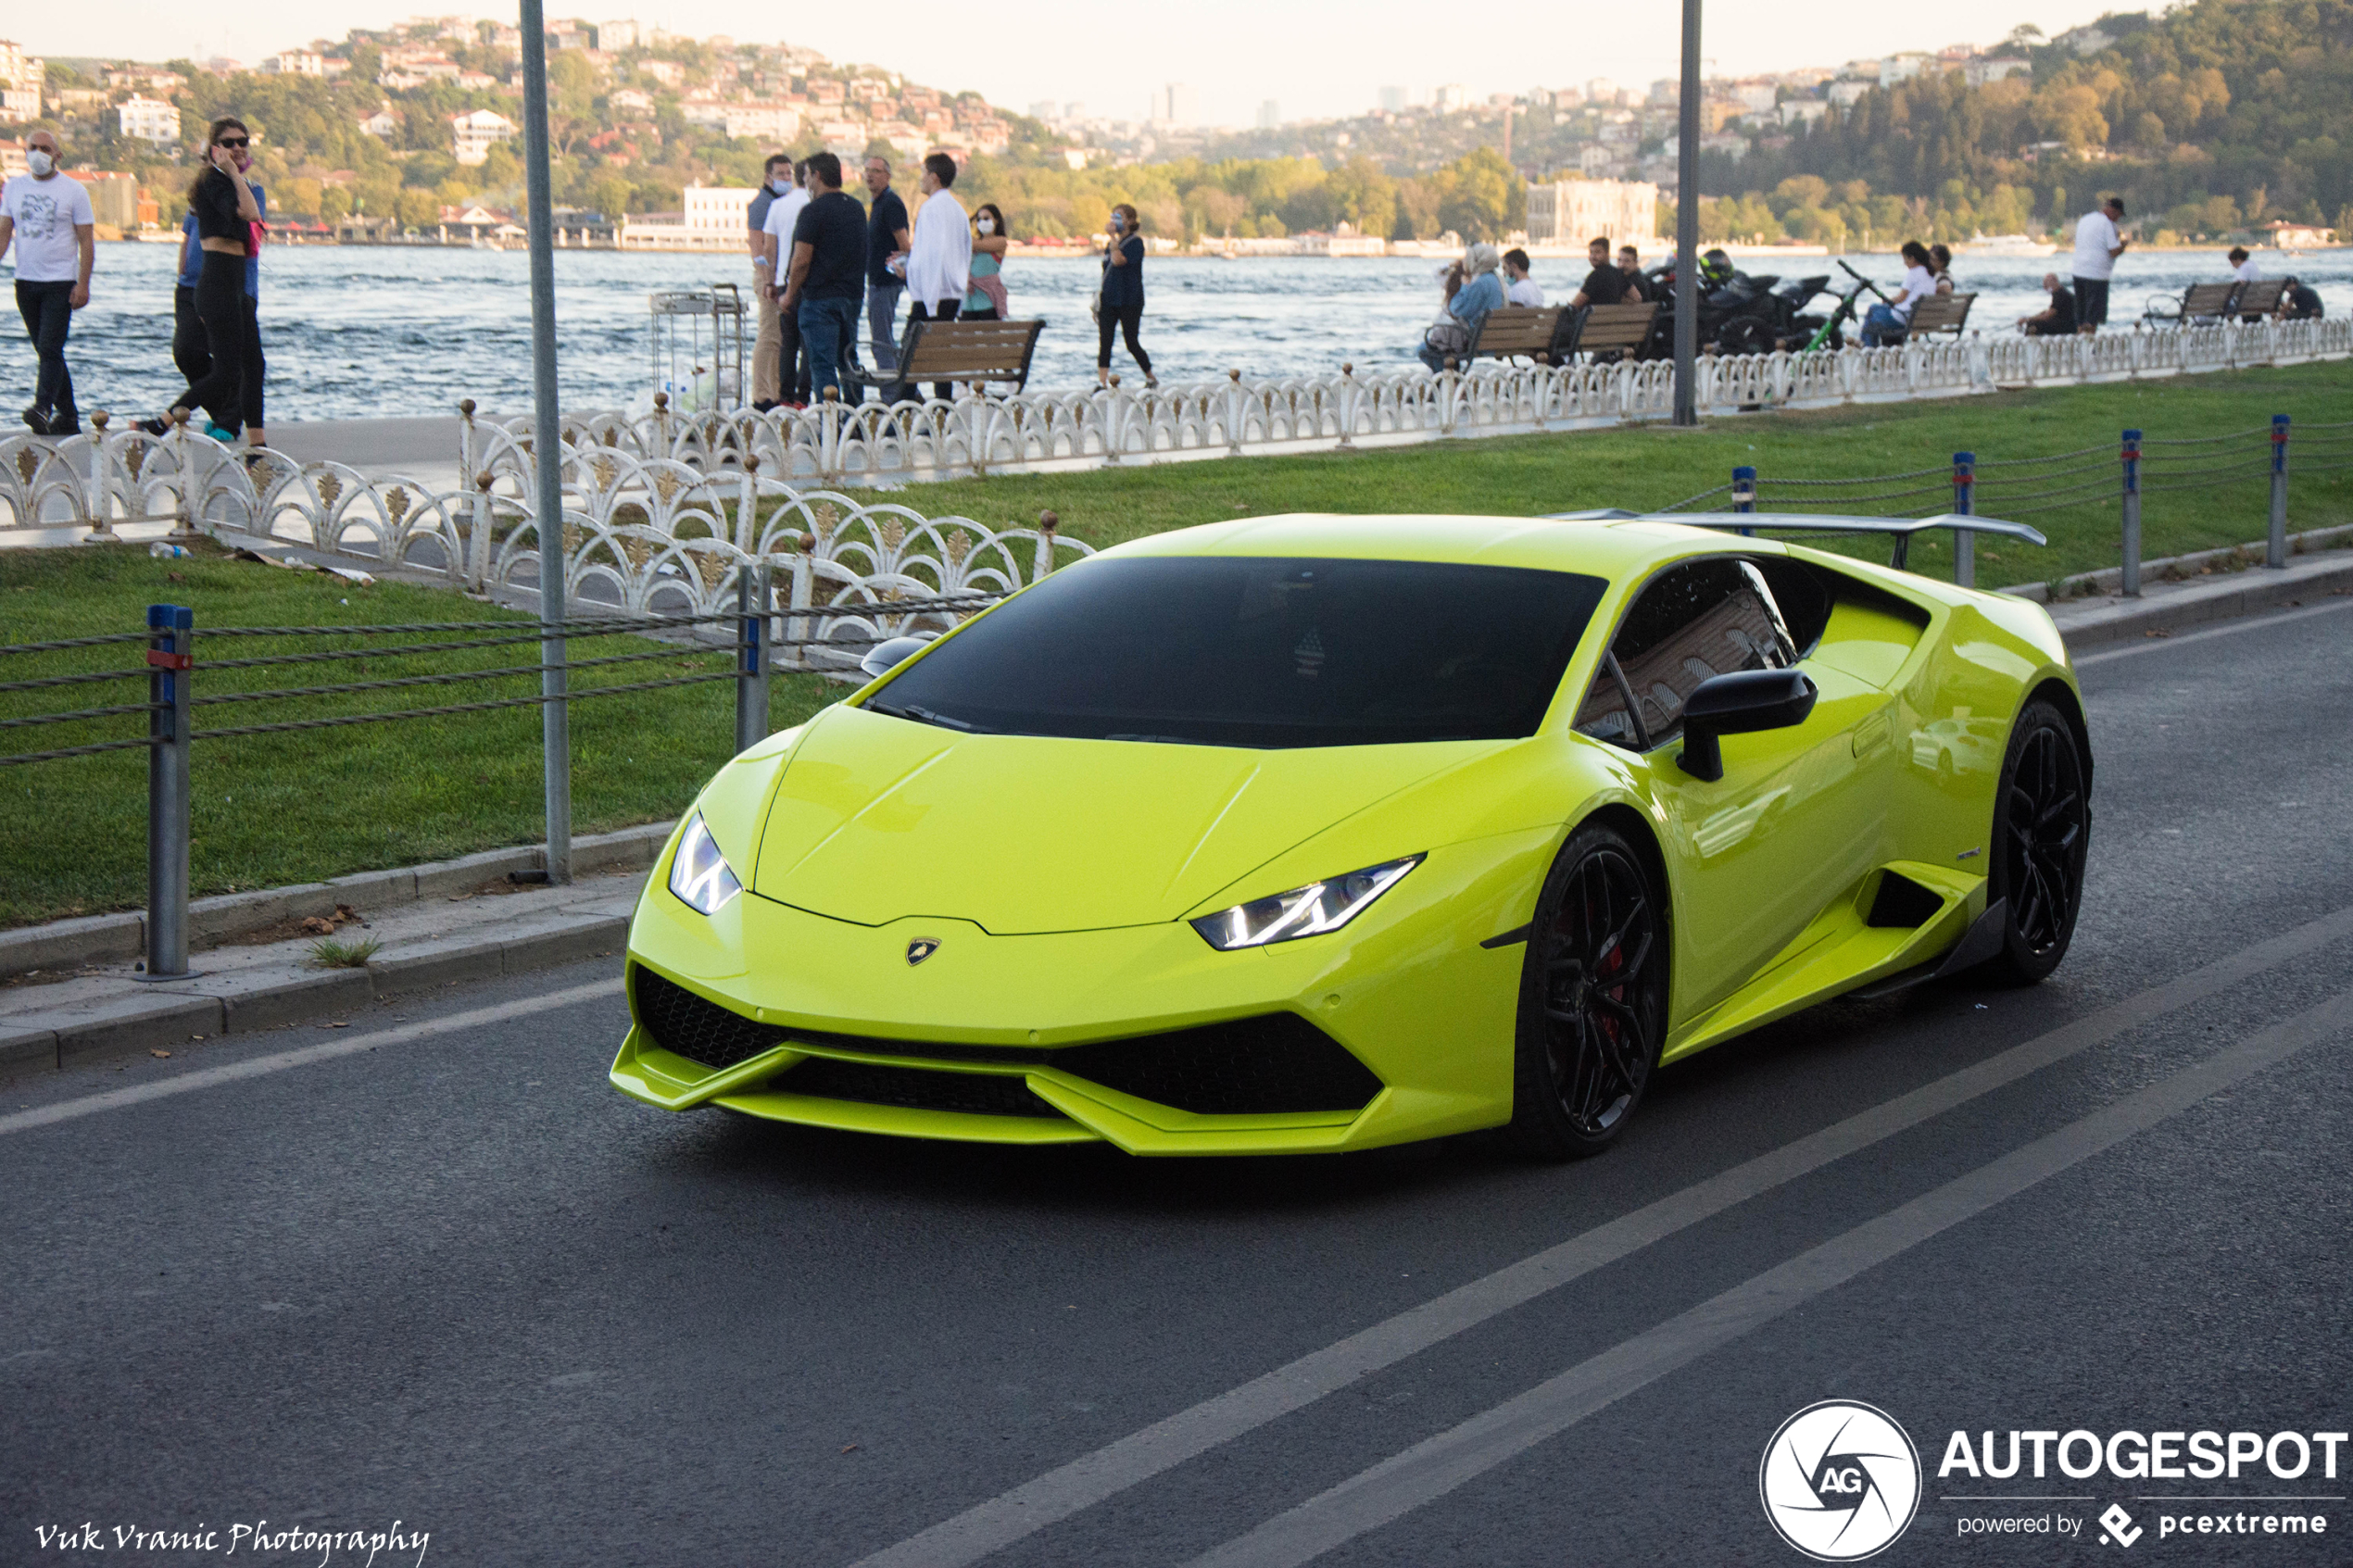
(959, 351)
(1521, 331)
(1946, 313)
(1616, 331)
(2259, 299)
(2199, 302)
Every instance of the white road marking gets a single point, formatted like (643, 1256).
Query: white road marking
(992, 1525)
(2255, 620)
(1432, 1468)
(351, 1045)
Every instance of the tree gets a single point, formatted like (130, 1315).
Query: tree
(333, 205)
(417, 209)
(1484, 199)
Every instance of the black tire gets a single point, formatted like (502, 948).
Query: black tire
(1746, 335)
(1585, 1051)
(2042, 831)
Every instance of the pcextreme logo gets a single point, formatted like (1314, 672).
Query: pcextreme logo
(1840, 1481)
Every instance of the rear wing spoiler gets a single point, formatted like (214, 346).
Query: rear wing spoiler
(1899, 529)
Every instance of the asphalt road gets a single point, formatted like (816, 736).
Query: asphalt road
(450, 1278)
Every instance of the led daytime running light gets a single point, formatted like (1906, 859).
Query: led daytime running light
(699, 872)
(1303, 912)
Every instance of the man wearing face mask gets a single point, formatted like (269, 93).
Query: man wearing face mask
(776, 180)
(48, 217)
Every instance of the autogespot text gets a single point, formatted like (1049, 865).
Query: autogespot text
(2154, 1456)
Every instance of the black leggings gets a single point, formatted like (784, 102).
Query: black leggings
(1123, 317)
(228, 319)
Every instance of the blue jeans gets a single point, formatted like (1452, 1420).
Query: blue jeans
(882, 319)
(1879, 322)
(829, 330)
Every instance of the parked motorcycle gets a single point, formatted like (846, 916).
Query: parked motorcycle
(1740, 313)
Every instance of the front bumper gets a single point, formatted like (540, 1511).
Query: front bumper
(1407, 990)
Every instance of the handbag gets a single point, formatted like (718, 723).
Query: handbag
(1448, 337)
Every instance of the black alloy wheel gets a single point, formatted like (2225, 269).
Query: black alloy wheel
(2042, 833)
(1593, 1008)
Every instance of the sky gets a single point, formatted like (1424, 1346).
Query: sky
(1316, 61)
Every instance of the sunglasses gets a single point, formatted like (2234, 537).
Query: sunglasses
(232, 142)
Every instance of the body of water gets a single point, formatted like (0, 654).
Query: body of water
(358, 332)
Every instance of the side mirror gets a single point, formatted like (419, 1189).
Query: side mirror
(1739, 703)
(881, 656)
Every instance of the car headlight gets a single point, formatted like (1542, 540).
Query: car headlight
(1303, 912)
(699, 872)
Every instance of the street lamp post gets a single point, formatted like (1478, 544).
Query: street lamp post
(1687, 228)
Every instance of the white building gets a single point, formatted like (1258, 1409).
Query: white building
(1804, 111)
(1603, 91)
(295, 62)
(1392, 99)
(762, 122)
(150, 120)
(629, 100)
(1665, 93)
(21, 76)
(618, 35)
(1903, 67)
(383, 122)
(1755, 95)
(1845, 94)
(720, 211)
(1451, 98)
(1270, 114)
(1994, 67)
(472, 136)
(1572, 212)
(1173, 105)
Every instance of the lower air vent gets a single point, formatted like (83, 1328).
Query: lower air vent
(684, 1024)
(1903, 903)
(913, 1088)
(1272, 1065)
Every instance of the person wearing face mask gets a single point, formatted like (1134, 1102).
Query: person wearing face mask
(789, 366)
(985, 301)
(228, 231)
(49, 220)
(1122, 296)
(776, 180)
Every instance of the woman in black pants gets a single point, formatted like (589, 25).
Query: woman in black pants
(1123, 299)
(226, 218)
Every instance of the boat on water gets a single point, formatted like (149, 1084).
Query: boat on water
(2004, 245)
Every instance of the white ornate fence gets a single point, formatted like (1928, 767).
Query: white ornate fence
(653, 535)
(833, 444)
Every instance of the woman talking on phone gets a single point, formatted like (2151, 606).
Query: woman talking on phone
(229, 232)
(1122, 296)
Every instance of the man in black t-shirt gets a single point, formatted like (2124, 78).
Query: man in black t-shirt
(826, 275)
(1604, 284)
(887, 241)
(1629, 267)
(2059, 319)
(2300, 302)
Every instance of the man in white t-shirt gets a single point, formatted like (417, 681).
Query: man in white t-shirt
(2243, 266)
(1522, 289)
(792, 378)
(2097, 245)
(940, 255)
(47, 215)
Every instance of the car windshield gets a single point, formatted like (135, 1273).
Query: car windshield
(1272, 653)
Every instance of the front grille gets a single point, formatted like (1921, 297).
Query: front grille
(688, 1025)
(914, 1088)
(1263, 1066)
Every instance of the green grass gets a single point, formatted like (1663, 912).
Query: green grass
(279, 809)
(1646, 467)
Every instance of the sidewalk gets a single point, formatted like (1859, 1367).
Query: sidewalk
(2207, 586)
(471, 922)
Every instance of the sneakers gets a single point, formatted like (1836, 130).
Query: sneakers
(158, 428)
(221, 434)
(38, 419)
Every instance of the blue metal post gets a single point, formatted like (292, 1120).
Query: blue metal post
(2275, 551)
(751, 656)
(2132, 514)
(1964, 505)
(169, 635)
(1744, 494)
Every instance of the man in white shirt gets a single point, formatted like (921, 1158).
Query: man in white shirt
(2097, 245)
(939, 253)
(775, 246)
(1895, 318)
(48, 216)
(1522, 289)
(776, 180)
(2243, 266)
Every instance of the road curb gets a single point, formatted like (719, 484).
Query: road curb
(2167, 605)
(163, 1018)
(117, 938)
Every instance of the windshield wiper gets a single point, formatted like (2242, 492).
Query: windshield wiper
(922, 715)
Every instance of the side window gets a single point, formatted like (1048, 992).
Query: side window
(1696, 621)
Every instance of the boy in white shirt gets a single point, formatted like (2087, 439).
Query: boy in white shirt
(1523, 289)
(2097, 245)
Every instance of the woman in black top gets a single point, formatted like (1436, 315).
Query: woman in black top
(226, 214)
(1123, 300)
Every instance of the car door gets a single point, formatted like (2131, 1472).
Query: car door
(1794, 820)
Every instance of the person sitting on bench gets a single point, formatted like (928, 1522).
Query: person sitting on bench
(1523, 289)
(1604, 284)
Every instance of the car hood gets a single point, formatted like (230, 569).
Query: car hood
(875, 819)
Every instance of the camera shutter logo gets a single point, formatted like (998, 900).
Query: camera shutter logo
(1840, 1481)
